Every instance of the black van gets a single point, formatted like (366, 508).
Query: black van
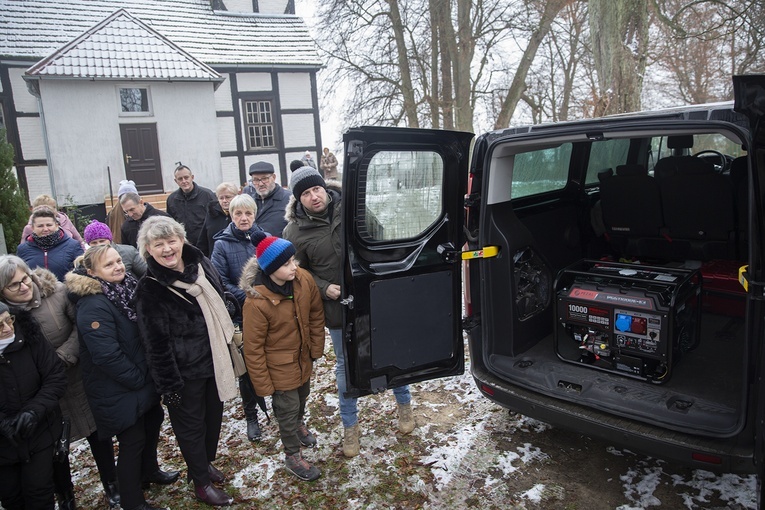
(611, 271)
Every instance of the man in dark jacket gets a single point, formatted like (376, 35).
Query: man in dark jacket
(314, 228)
(270, 198)
(188, 204)
(137, 212)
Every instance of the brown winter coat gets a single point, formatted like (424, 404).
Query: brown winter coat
(282, 336)
(56, 316)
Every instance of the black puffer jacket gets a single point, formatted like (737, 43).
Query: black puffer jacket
(32, 378)
(173, 328)
(215, 221)
(190, 209)
(114, 370)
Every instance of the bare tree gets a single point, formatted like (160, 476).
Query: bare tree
(619, 34)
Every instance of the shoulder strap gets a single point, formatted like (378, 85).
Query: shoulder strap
(172, 289)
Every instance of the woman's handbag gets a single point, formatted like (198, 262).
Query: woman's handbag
(236, 350)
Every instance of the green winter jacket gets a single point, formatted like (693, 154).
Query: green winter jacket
(318, 245)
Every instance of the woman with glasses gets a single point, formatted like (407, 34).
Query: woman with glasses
(32, 381)
(40, 293)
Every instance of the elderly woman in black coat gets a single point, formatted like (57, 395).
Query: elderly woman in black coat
(32, 380)
(117, 381)
(41, 294)
(186, 327)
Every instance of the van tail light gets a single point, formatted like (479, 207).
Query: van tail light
(488, 390)
(706, 458)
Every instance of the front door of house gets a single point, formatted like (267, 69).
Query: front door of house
(140, 152)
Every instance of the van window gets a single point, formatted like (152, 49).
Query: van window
(541, 171)
(403, 195)
(604, 155)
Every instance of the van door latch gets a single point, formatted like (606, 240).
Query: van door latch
(451, 254)
(755, 289)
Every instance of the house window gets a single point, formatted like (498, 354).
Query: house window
(259, 122)
(134, 101)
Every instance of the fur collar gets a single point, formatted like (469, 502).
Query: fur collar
(250, 271)
(291, 212)
(45, 280)
(80, 285)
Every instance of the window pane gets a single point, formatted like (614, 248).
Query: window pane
(604, 155)
(403, 195)
(541, 171)
(260, 129)
(134, 100)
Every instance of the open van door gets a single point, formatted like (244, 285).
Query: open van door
(749, 94)
(403, 194)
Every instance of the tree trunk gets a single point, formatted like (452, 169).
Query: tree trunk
(619, 32)
(518, 85)
(407, 90)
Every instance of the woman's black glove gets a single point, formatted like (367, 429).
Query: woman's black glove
(172, 399)
(26, 423)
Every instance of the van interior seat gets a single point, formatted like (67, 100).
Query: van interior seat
(631, 206)
(698, 206)
(680, 159)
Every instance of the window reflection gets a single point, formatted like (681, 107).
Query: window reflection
(403, 194)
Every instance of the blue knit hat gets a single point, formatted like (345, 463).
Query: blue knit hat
(272, 253)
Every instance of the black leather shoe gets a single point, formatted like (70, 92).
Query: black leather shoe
(212, 495)
(66, 501)
(112, 494)
(146, 506)
(161, 478)
(216, 475)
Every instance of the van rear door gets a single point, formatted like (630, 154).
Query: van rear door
(749, 94)
(403, 194)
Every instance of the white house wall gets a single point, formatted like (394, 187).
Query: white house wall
(229, 171)
(253, 82)
(295, 91)
(223, 96)
(23, 101)
(38, 183)
(83, 144)
(298, 130)
(226, 133)
(31, 137)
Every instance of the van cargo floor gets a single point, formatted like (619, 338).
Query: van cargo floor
(704, 395)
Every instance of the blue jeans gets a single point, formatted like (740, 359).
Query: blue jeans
(349, 413)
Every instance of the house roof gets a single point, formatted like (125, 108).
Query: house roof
(34, 29)
(123, 47)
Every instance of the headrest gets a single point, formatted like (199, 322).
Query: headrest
(605, 174)
(631, 170)
(680, 141)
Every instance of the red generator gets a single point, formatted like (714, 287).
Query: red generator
(629, 319)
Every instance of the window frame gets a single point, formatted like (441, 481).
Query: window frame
(248, 98)
(148, 113)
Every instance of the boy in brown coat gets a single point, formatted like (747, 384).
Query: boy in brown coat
(283, 332)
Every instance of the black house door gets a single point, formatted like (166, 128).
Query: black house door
(141, 156)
